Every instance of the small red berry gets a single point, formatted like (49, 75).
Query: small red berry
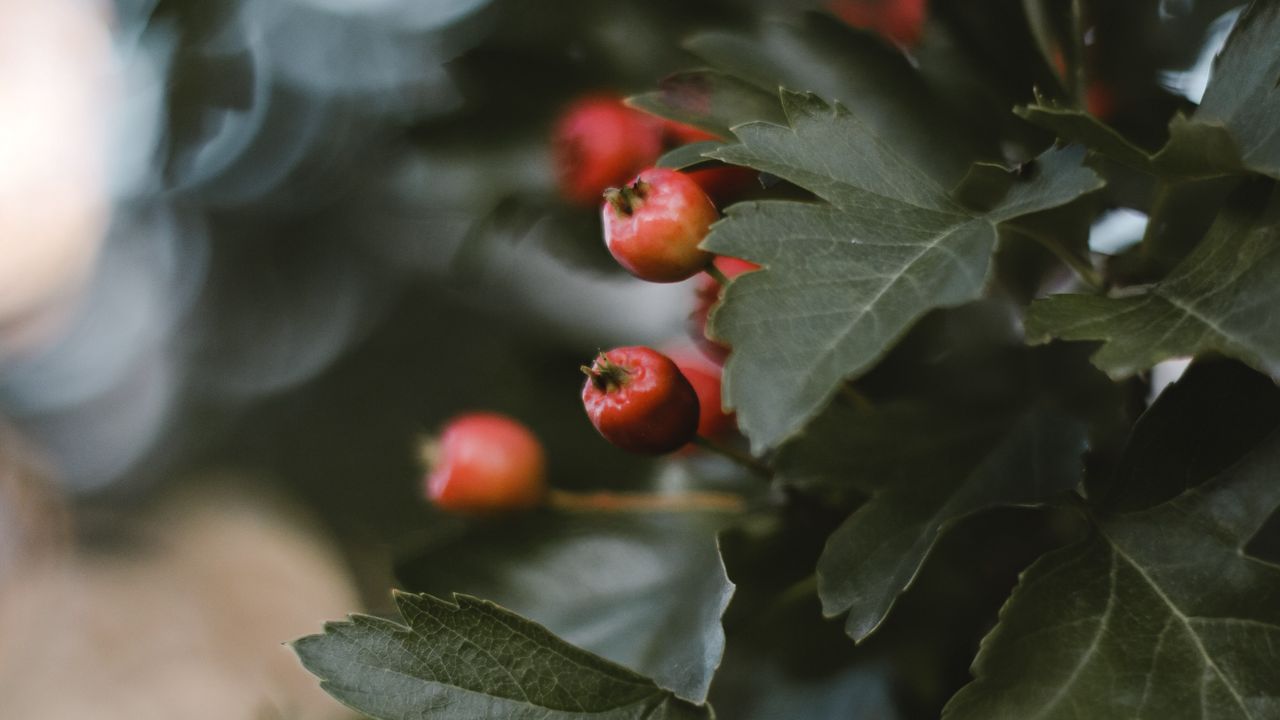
(1099, 101)
(707, 294)
(653, 226)
(678, 133)
(486, 462)
(640, 401)
(599, 143)
(901, 21)
(724, 184)
(705, 376)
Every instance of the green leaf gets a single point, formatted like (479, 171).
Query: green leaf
(473, 659)
(688, 156)
(709, 99)
(1159, 614)
(646, 590)
(1242, 94)
(1194, 430)
(1221, 298)
(817, 54)
(1233, 130)
(942, 477)
(843, 280)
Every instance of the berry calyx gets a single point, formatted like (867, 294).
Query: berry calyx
(705, 377)
(639, 400)
(485, 462)
(707, 294)
(653, 225)
(599, 142)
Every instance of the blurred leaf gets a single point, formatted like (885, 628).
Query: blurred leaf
(820, 55)
(1196, 428)
(646, 590)
(1159, 614)
(710, 100)
(473, 659)
(863, 448)
(688, 156)
(844, 279)
(878, 551)
(1221, 298)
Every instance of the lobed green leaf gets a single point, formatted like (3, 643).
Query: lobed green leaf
(473, 659)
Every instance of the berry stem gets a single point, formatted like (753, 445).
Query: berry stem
(736, 456)
(642, 502)
(1082, 267)
(716, 274)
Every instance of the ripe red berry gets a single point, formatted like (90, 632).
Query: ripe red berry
(600, 143)
(653, 226)
(640, 401)
(704, 375)
(901, 21)
(486, 462)
(707, 294)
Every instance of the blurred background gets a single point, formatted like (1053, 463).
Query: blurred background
(252, 251)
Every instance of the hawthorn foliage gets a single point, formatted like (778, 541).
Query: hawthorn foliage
(949, 388)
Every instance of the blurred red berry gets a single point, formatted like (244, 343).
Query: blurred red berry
(901, 21)
(600, 143)
(677, 133)
(704, 375)
(707, 293)
(724, 184)
(1099, 101)
(486, 462)
(639, 400)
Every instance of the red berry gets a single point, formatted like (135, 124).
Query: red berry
(599, 143)
(722, 183)
(678, 133)
(486, 462)
(653, 226)
(901, 21)
(640, 401)
(707, 294)
(1099, 100)
(704, 375)
(725, 184)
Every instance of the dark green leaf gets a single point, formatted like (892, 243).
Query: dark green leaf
(1242, 94)
(819, 55)
(876, 554)
(688, 156)
(1182, 185)
(709, 99)
(1233, 130)
(1159, 614)
(1196, 428)
(646, 590)
(473, 659)
(843, 280)
(1221, 298)
(1075, 125)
